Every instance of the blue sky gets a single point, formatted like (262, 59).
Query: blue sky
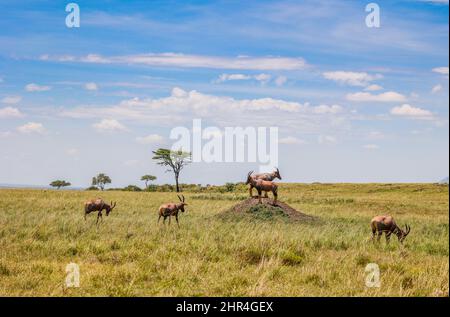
(366, 104)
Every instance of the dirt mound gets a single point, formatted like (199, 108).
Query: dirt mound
(267, 210)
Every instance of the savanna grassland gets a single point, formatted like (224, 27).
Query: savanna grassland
(41, 231)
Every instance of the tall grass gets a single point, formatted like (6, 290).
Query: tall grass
(41, 231)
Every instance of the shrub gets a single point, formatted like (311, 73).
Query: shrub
(132, 188)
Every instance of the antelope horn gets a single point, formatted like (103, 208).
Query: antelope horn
(183, 197)
(180, 198)
(408, 228)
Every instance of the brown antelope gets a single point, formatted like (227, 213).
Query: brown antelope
(386, 224)
(172, 209)
(97, 205)
(262, 185)
(265, 177)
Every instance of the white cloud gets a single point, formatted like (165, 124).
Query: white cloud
(5, 134)
(373, 87)
(410, 111)
(11, 100)
(280, 80)
(390, 96)
(291, 140)
(437, 1)
(181, 106)
(32, 127)
(131, 163)
(441, 70)
(72, 152)
(36, 88)
(327, 139)
(193, 61)
(262, 78)
(227, 77)
(109, 125)
(371, 147)
(184, 102)
(324, 109)
(150, 139)
(91, 86)
(436, 89)
(10, 112)
(351, 78)
(375, 135)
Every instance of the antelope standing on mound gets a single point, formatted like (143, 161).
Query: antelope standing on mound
(263, 185)
(97, 205)
(172, 209)
(386, 224)
(265, 177)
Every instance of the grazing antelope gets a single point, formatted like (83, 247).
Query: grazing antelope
(172, 209)
(265, 177)
(263, 185)
(97, 205)
(386, 224)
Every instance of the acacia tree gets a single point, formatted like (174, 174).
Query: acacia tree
(174, 160)
(59, 183)
(148, 178)
(101, 180)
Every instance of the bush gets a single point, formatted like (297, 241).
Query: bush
(229, 187)
(92, 188)
(132, 188)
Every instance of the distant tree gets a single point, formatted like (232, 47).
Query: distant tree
(59, 183)
(175, 160)
(132, 188)
(148, 178)
(101, 180)
(229, 187)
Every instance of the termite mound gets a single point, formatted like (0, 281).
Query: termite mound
(266, 210)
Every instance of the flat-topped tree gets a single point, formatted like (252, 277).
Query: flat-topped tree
(59, 183)
(174, 160)
(101, 180)
(148, 178)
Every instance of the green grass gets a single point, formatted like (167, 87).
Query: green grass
(41, 231)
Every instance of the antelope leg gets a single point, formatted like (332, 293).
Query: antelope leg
(388, 237)
(380, 233)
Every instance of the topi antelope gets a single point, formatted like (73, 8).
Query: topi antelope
(386, 224)
(263, 185)
(172, 209)
(97, 205)
(265, 177)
